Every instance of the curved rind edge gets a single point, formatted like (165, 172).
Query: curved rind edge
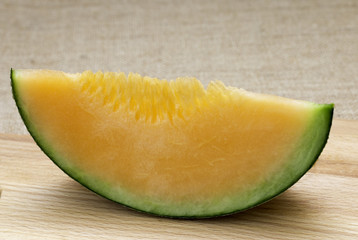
(80, 177)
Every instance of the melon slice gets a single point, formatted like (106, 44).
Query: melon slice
(171, 148)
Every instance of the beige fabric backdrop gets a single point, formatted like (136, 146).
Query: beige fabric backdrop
(299, 49)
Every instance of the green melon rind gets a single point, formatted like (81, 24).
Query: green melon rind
(305, 155)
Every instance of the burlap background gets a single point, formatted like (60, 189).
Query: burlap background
(299, 49)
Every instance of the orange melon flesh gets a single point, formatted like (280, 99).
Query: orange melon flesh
(171, 148)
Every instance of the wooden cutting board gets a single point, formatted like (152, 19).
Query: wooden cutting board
(38, 201)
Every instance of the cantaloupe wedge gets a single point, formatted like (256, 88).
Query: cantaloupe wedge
(171, 148)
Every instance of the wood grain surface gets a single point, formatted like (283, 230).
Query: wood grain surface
(38, 201)
(299, 49)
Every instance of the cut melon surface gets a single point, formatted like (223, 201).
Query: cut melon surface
(171, 148)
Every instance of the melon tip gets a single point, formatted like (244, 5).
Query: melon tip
(329, 108)
(13, 73)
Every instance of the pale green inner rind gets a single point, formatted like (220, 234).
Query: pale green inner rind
(302, 158)
(300, 161)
